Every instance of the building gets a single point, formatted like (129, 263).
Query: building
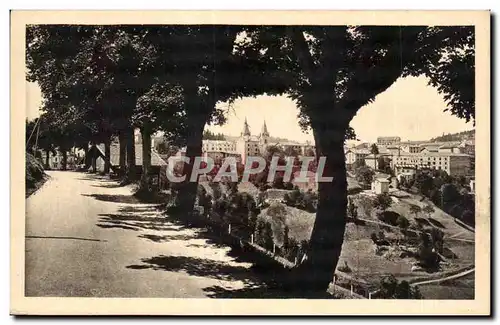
(158, 165)
(410, 146)
(254, 145)
(380, 186)
(372, 160)
(387, 141)
(56, 161)
(449, 148)
(454, 164)
(218, 146)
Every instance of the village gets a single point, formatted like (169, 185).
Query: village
(399, 193)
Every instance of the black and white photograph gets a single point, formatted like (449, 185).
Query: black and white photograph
(335, 162)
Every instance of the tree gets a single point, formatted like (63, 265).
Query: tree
(290, 152)
(415, 209)
(374, 151)
(382, 202)
(364, 175)
(309, 152)
(207, 135)
(450, 196)
(428, 258)
(428, 209)
(424, 183)
(352, 210)
(403, 222)
(159, 109)
(333, 71)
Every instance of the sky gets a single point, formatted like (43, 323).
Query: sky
(410, 109)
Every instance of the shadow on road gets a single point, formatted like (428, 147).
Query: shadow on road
(116, 198)
(166, 238)
(137, 219)
(113, 185)
(197, 267)
(262, 292)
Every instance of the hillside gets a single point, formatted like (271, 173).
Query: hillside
(460, 136)
(35, 175)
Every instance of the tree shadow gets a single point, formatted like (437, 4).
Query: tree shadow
(115, 198)
(422, 221)
(114, 185)
(136, 222)
(197, 267)
(436, 223)
(262, 292)
(166, 238)
(96, 177)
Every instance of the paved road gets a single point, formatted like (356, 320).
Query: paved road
(85, 236)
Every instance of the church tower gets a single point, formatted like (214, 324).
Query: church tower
(246, 129)
(264, 134)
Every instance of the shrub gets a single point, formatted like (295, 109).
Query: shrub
(290, 249)
(403, 222)
(268, 236)
(217, 192)
(352, 210)
(276, 210)
(34, 172)
(345, 268)
(390, 288)
(428, 258)
(389, 217)
(382, 201)
(364, 175)
(289, 186)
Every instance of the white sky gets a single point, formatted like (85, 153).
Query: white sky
(409, 108)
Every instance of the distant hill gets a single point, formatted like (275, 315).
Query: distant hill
(460, 136)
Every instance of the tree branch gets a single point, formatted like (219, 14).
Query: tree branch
(301, 51)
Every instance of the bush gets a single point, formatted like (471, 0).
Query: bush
(345, 268)
(382, 201)
(291, 248)
(352, 210)
(34, 172)
(428, 258)
(403, 222)
(390, 288)
(276, 210)
(389, 217)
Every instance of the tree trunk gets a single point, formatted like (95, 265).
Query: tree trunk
(94, 157)
(316, 272)
(123, 151)
(131, 168)
(198, 113)
(85, 153)
(146, 157)
(47, 156)
(107, 155)
(187, 191)
(64, 162)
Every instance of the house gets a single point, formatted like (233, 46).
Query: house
(372, 160)
(380, 186)
(55, 161)
(158, 171)
(386, 141)
(449, 148)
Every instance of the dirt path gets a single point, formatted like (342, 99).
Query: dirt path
(88, 237)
